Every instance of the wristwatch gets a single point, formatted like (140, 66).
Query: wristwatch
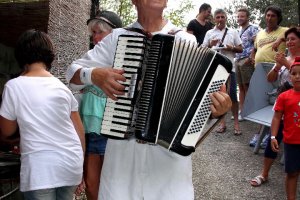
(273, 137)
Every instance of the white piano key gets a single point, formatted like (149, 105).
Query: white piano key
(116, 119)
(128, 63)
(117, 113)
(112, 133)
(109, 125)
(113, 105)
(130, 50)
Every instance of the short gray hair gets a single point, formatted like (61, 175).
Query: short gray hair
(218, 11)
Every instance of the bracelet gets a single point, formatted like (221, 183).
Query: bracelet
(86, 75)
(273, 137)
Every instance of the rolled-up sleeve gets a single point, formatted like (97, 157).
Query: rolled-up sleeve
(102, 55)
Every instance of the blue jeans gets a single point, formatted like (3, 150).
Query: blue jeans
(60, 193)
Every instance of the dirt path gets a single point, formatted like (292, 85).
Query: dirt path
(224, 164)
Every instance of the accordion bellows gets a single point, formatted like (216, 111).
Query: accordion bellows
(168, 82)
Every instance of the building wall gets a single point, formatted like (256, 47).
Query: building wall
(68, 31)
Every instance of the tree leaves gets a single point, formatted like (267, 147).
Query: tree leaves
(127, 12)
(257, 8)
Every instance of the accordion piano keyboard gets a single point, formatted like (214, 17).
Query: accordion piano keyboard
(117, 116)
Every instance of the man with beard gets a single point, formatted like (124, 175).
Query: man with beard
(199, 26)
(267, 43)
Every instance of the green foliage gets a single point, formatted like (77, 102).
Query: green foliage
(127, 12)
(177, 15)
(123, 8)
(257, 8)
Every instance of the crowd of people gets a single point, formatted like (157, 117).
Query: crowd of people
(247, 47)
(62, 150)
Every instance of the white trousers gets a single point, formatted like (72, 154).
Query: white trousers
(133, 171)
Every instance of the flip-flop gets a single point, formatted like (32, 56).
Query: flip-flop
(258, 181)
(221, 129)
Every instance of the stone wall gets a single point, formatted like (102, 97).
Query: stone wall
(63, 20)
(68, 31)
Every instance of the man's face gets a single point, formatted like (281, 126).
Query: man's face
(242, 18)
(271, 19)
(220, 20)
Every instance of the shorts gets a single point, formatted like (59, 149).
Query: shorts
(291, 158)
(232, 87)
(95, 143)
(269, 153)
(243, 71)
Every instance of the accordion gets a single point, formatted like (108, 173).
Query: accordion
(168, 82)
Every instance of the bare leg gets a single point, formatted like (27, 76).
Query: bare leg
(268, 162)
(241, 96)
(235, 113)
(291, 185)
(92, 172)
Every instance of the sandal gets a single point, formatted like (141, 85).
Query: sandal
(258, 181)
(221, 129)
(237, 132)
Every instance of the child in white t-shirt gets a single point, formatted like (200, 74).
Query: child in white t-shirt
(51, 132)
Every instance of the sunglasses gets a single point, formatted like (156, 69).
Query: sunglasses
(218, 17)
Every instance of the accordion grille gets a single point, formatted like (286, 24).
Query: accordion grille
(188, 68)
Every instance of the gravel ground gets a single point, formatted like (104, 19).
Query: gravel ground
(224, 164)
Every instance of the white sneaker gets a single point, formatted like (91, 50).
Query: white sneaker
(240, 117)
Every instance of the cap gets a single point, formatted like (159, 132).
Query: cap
(296, 62)
(109, 17)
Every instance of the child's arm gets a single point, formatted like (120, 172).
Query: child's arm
(75, 117)
(7, 127)
(274, 129)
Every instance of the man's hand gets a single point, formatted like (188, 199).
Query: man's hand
(108, 80)
(214, 42)
(276, 44)
(221, 102)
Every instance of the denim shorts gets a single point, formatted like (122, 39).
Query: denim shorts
(62, 193)
(95, 143)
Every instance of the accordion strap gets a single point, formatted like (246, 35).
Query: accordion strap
(209, 130)
(174, 31)
(221, 43)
